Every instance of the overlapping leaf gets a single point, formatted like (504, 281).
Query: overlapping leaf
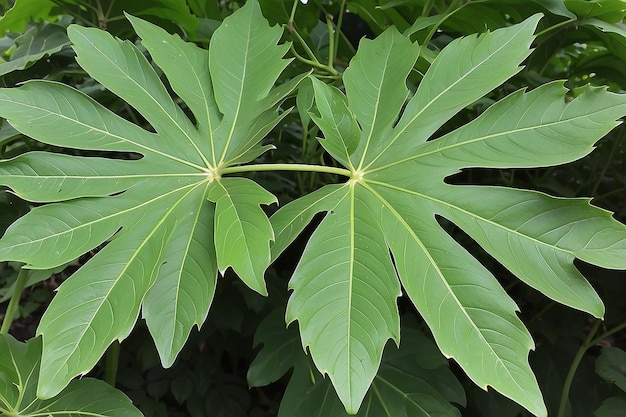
(19, 369)
(414, 380)
(345, 285)
(159, 215)
(36, 43)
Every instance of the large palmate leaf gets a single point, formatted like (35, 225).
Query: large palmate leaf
(163, 219)
(380, 228)
(19, 369)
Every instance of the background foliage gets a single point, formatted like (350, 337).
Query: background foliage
(579, 360)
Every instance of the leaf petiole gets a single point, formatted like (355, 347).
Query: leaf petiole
(287, 167)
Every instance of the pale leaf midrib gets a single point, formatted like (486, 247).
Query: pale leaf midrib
(112, 135)
(375, 115)
(483, 138)
(240, 95)
(104, 218)
(180, 271)
(474, 215)
(444, 91)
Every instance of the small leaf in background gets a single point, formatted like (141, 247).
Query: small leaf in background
(611, 365)
(22, 12)
(281, 350)
(36, 43)
(19, 369)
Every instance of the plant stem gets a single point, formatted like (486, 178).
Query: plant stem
(451, 10)
(574, 366)
(558, 25)
(331, 42)
(111, 363)
(22, 279)
(287, 167)
(605, 167)
(292, 16)
(313, 61)
(342, 11)
(608, 333)
(306, 47)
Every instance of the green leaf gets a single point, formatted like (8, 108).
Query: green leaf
(345, 298)
(404, 386)
(153, 209)
(185, 285)
(242, 86)
(372, 78)
(187, 69)
(463, 72)
(37, 42)
(242, 230)
(339, 125)
(281, 350)
(459, 300)
(19, 364)
(394, 199)
(22, 12)
(611, 11)
(611, 365)
(611, 407)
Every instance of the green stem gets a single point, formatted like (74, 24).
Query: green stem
(605, 167)
(292, 16)
(342, 10)
(112, 360)
(449, 13)
(287, 167)
(314, 64)
(331, 42)
(22, 279)
(313, 61)
(306, 47)
(608, 333)
(574, 366)
(558, 25)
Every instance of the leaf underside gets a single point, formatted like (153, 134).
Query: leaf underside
(381, 227)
